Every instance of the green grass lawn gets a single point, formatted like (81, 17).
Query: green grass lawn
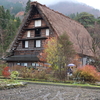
(2, 81)
(62, 84)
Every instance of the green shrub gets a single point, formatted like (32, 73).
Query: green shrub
(61, 75)
(40, 75)
(14, 74)
(26, 72)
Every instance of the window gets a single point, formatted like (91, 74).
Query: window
(37, 23)
(22, 64)
(37, 43)
(47, 32)
(24, 44)
(37, 33)
(33, 64)
(25, 64)
(18, 63)
(37, 64)
(28, 34)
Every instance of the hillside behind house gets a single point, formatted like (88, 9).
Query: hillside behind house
(68, 8)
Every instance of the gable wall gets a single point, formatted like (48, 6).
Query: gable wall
(31, 27)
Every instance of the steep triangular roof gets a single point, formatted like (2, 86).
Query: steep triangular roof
(60, 24)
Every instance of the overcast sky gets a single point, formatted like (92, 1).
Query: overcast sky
(93, 3)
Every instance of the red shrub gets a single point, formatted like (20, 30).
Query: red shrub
(6, 72)
(89, 73)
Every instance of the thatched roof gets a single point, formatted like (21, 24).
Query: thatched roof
(60, 24)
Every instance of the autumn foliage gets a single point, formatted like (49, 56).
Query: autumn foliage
(49, 54)
(6, 72)
(42, 56)
(89, 73)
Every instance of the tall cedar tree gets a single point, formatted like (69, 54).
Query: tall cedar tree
(27, 6)
(8, 26)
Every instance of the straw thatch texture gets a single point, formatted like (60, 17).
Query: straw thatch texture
(79, 36)
(62, 24)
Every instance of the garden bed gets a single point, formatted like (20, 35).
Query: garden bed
(4, 85)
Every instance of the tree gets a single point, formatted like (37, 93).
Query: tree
(49, 54)
(58, 52)
(95, 48)
(27, 6)
(85, 19)
(1, 42)
(8, 27)
(72, 16)
(8, 15)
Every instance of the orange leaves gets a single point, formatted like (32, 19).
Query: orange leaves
(50, 48)
(89, 73)
(6, 72)
(42, 56)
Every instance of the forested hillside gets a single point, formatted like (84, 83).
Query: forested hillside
(14, 7)
(68, 8)
(8, 26)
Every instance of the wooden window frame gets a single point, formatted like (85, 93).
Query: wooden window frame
(38, 23)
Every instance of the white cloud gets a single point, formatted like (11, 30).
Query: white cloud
(93, 3)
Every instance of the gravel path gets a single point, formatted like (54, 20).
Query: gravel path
(47, 92)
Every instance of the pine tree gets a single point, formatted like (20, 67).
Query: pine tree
(7, 13)
(27, 6)
(8, 27)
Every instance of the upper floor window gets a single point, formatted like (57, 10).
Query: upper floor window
(37, 43)
(28, 34)
(47, 32)
(24, 44)
(37, 23)
(37, 33)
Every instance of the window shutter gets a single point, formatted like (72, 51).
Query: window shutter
(38, 43)
(47, 32)
(28, 34)
(26, 44)
(37, 23)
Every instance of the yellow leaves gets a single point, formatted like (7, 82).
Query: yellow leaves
(15, 20)
(51, 51)
(58, 51)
